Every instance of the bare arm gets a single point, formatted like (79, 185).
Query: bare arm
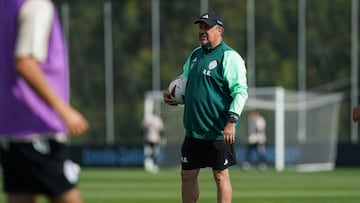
(28, 68)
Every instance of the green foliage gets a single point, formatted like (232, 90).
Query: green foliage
(327, 37)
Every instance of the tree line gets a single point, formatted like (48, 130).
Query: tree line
(328, 38)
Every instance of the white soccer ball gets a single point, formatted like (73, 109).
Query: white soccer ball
(177, 89)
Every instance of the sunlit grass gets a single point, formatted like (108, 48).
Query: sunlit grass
(133, 185)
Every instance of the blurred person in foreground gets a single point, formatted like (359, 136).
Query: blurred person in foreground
(153, 128)
(356, 113)
(35, 115)
(256, 141)
(216, 93)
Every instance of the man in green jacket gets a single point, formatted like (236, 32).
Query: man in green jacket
(216, 93)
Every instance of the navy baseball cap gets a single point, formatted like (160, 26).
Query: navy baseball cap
(210, 18)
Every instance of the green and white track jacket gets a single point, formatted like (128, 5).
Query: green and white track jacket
(216, 88)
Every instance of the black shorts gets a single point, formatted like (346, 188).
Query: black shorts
(38, 167)
(197, 153)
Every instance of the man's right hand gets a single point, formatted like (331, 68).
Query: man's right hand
(167, 99)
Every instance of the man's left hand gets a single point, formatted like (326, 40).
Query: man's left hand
(229, 133)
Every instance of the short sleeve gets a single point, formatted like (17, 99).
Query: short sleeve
(35, 20)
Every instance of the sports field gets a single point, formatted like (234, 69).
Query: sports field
(133, 185)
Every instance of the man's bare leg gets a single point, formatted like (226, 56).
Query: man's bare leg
(70, 196)
(189, 186)
(223, 184)
(21, 198)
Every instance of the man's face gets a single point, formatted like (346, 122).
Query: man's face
(209, 35)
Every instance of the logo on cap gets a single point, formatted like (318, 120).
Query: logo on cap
(211, 18)
(205, 16)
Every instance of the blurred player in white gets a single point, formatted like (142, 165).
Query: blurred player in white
(256, 140)
(153, 128)
(35, 114)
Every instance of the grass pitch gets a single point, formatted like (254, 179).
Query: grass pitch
(134, 185)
